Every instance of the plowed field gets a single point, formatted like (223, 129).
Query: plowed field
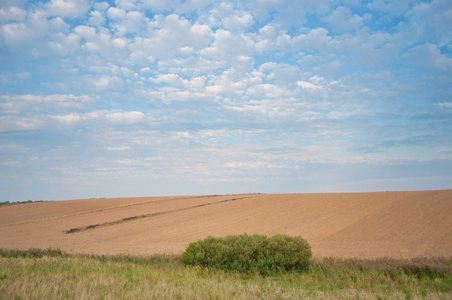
(363, 225)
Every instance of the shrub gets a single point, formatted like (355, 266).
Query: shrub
(249, 254)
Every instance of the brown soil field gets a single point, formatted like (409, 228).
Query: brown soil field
(361, 225)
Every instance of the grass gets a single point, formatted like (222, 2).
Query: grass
(52, 274)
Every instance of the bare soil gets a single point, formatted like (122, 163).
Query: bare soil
(362, 225)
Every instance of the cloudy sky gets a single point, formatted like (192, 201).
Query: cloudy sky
(174, 97)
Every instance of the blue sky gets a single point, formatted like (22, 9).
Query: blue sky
(150, 97)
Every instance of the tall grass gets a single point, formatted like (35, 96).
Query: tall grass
(53, 275)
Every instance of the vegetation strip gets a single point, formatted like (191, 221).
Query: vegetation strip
(94, 226)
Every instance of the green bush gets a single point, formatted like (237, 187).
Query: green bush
(250, 254)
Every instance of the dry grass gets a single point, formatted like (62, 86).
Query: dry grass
(61, 276)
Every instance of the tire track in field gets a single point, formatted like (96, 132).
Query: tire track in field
(81, 213)
(133, 218)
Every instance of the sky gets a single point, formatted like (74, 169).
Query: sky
(196, 97)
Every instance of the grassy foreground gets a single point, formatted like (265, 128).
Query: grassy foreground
(51, 274)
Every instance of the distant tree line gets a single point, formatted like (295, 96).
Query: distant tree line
(4, 203)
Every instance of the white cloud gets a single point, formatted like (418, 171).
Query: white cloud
(14, 123)
(68, 119)
(428, 56)
(125, 117)
(447, 106)
(309, 85)
(101, 42)
(116, 13)
(97, 18)
(175, 88)
(343, 20)
(128, 161)
(64, 44)
(9, 78)
(267, 40)
(14, 104)
(268, 32)
(217, 133)
(31, 36)
(238, 23)
(86, 32)
(283, 12)
(12, 13)
(123, 148)
(191, 5)
(315, 39)
(228, 49)
(225, 86)
(101, 5)
(160, 6)
(171, 79)
(251, 165)
(202, 35)
(392, 7)
(16, 34)
(223, 91)
(67, 8)
(166, 35)
(145, 70)
(279, 106)
(127, 22)
(425, 20)
(115, 117)
(105, 81)
(267, 90)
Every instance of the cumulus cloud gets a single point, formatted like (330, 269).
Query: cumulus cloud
(428, 56)
(343, 20)
(316, 39)
(171, 79)
(226, 92)
(96, 19)
(106, 81)
(68, 119)
(166, 35)
(308, 85)
(228, 48)
(67, 8)
(12, 14)
(396, 8)
(113, 117)
(160, 6)
(119, 148)
(286, 12)
(127, 22)
(125, 117)
(12, 123)
(238, 23)
(26, 103)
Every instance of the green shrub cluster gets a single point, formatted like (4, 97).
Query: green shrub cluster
(250, 253)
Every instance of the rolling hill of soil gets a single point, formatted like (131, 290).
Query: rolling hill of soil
(364, 225)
